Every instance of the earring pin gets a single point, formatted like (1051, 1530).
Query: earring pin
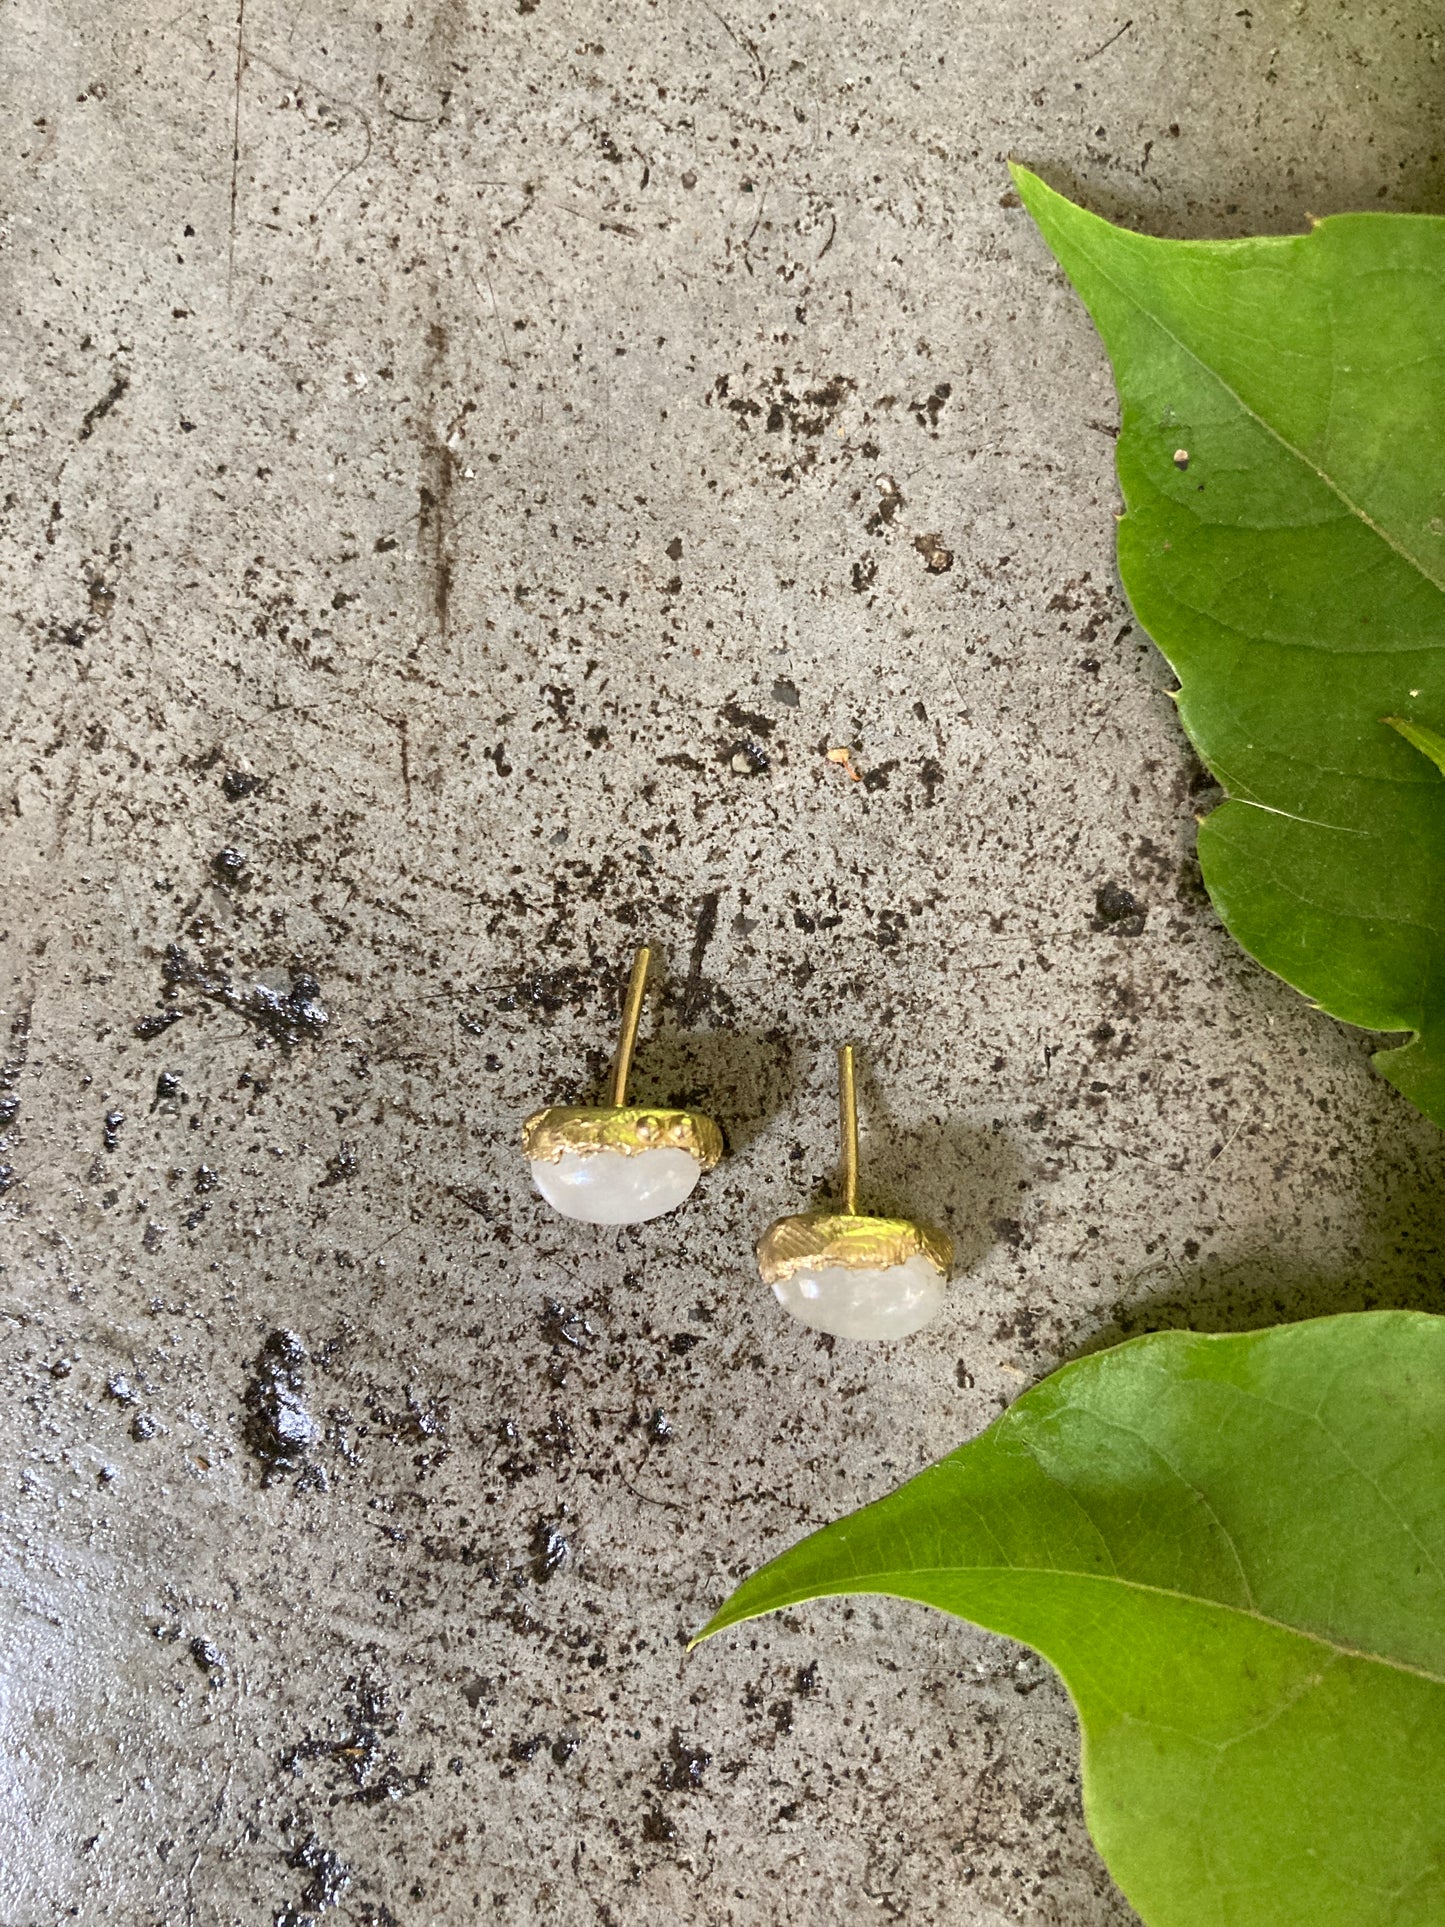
(847, 1272)
(618, 1163)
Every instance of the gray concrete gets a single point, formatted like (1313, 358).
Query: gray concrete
(481, 510)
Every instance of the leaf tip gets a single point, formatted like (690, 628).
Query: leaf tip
(704, 1633)
(1033, 192)
(1429, 742)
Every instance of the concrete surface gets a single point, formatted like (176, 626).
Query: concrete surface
(441, 546)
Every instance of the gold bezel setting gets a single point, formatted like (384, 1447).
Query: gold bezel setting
(550, 1134)
(850, 1240)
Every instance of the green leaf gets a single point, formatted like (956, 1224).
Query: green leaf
(1233, 1549)
(1428, 741)
(1283, 414)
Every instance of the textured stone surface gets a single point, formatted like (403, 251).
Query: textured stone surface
(440, 548)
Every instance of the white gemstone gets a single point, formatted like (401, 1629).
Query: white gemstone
(888, 1301)
(608, 1187)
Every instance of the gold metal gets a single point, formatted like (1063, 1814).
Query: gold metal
(548, 1135)
(631, 1022)
(848, 1126)
(849, 1238)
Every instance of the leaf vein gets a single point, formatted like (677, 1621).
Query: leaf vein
(1320, 474)
(1342, 1648)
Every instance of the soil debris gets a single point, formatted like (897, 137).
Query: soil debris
(279, 1431)
(330, 1877)
(210, 1659)
(550, 1550)
(1118, 911)
(288, 1016)
(565, 1327)
(341, 1166)
(936, 558)
(684, 1766)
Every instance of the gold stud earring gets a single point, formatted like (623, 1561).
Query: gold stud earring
(612, 1163)
(850, 1274)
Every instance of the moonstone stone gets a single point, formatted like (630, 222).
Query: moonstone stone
(608, 1187)
(886, 1302)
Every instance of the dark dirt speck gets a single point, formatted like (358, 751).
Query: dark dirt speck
(1118, 911)
(747, 719)
(684, 1766)
(98, 411)
(288, 1017)
(550, 1550)
(657, 1829)
(936, 558)
(278, 1430)
(330, 1877)
(341, 1166)
(551, 990)
(228, 866)
(210, 1659)
(153, 1025)
(564, 1327)
(890, 500)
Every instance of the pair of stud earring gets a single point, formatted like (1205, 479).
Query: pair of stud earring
(844, 1272)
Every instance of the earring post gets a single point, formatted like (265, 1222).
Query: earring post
(848, 1125)
(631, 1023)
